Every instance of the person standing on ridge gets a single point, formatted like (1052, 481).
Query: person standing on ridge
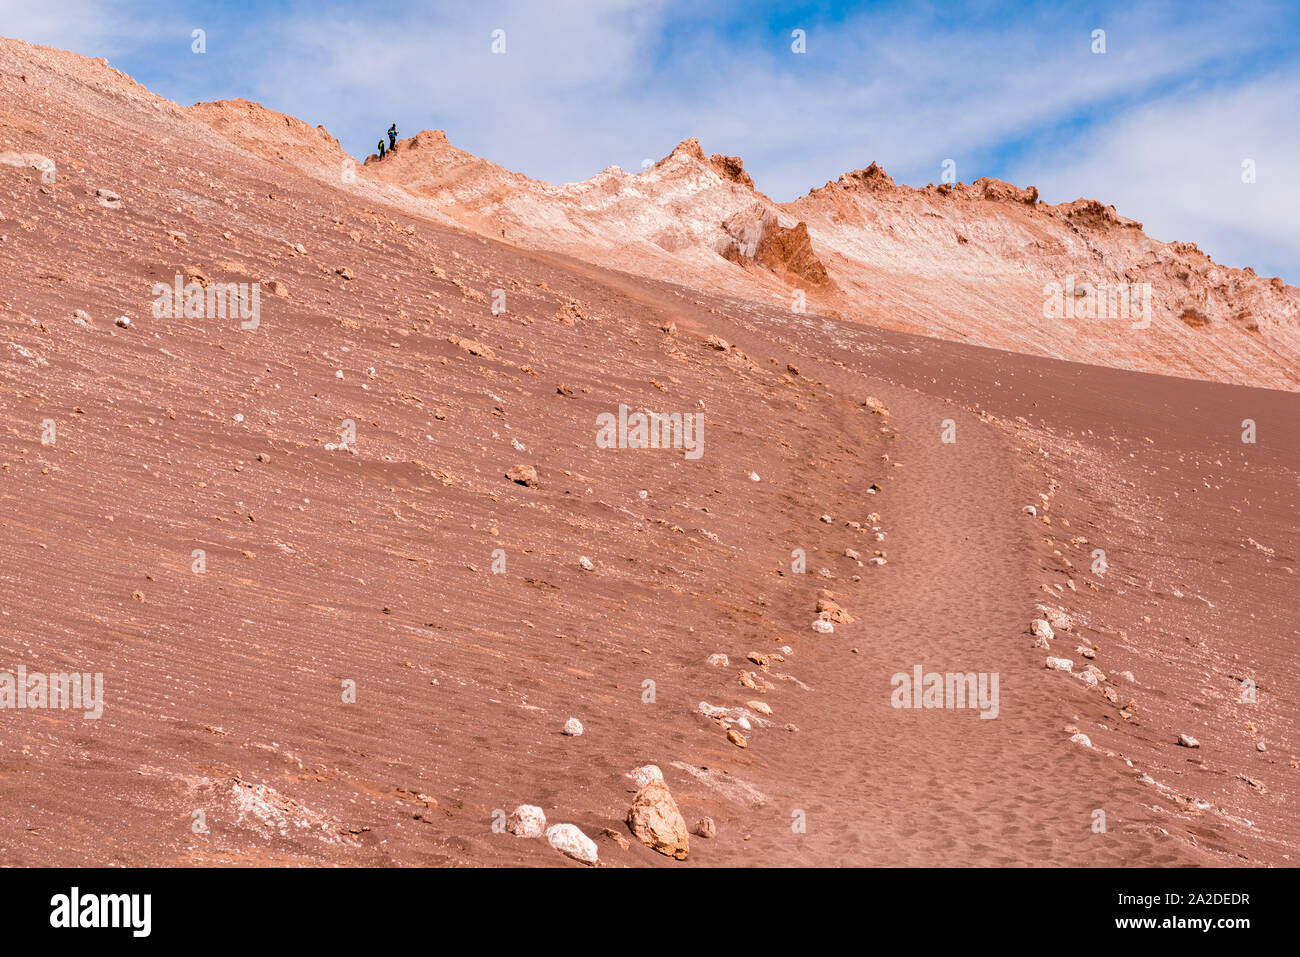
(381, 149)
(392, 137)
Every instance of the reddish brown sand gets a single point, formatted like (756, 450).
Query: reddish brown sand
(223, 690)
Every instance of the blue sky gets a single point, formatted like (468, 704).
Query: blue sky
(1159, 124)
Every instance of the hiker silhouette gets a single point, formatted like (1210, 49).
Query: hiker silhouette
(381, 149)
(392, 137)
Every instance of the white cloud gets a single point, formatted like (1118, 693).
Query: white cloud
(1175, 165)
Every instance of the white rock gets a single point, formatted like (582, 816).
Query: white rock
(1030, 510)
(568, 840)
(1127, 676)
(1060, 664)
(1082, 739)
(586, 563)
(123, 321)
(528, 820)
(1059, 620)
(753, 476)
(573, 727)
(719, 661)
(1040, 627)
(1088, 678)
(822, 627)
(1187, 741)
(645, 774)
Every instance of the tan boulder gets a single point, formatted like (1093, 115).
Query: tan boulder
(656, 821)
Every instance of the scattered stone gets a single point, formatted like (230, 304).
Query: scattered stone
(586, 563)
(736, 738)
(528, 820)
(263, 457)
(108, 199)
(616, 837)
(656, 821)
(1060, 664)
(568, 840)
(1187, 741)
(573, 727)
(473, 347)
(1040, 627)
(718, 661)
(1086, 651)
(1259, 746)
(827, 519)
(523, 475)
(1030, 510)
(1059, 620)
(763, 661)
(762, 707)
(345, 272)
(706, 828)
(1127, 676)
(823, 627)
(81, 317)
(830, 609)
(123, 322)
(1081, 738)
(645, 775)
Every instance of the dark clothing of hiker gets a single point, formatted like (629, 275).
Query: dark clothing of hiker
(381, 149)
(392, 137)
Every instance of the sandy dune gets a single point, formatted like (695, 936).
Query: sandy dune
(371, 563)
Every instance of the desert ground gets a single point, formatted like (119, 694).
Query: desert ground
(348, 574)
